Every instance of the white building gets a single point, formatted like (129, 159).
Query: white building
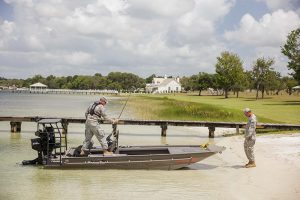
(38, 87)
(164, 85)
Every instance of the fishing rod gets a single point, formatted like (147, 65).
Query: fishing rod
(115, 132)
(124, 106)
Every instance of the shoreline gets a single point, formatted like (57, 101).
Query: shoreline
(275, 177)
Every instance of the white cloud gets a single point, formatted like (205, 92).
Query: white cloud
(197, 27)
(264, 37)
(139, 36)
(142, 37)
(270, 30)
(157, 9)
(6, 33)
(79, 58)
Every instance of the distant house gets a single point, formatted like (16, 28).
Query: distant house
(38, 87)
(164, 85)
(296, 88)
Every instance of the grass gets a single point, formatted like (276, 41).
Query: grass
(272, 109)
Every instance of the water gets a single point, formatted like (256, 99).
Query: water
(31, 182)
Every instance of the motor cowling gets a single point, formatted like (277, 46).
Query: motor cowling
(45, 140)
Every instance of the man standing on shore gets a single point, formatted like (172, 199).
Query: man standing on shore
(250, 137)
(93, 115)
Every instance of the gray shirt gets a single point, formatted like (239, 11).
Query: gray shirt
(250, 132)
(99, 114)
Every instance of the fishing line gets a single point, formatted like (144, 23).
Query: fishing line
(124, 105)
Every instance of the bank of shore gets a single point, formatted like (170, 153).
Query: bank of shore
(275, 177)
(275, 109)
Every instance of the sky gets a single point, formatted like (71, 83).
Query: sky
(162, 37)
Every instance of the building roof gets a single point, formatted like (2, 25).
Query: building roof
(38, 85)
(167, 81)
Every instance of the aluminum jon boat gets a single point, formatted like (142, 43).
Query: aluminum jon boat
(51, 146)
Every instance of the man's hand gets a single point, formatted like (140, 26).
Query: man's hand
(115, 121)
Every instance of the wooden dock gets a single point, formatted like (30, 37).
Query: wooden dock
(16, 123)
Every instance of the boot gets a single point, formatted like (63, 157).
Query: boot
(247, 164)
(107, 153)
(250, 164)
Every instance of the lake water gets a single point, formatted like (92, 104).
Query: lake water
(32, 182)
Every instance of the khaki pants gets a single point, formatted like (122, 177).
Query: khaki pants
(91, 129)
(249, 149)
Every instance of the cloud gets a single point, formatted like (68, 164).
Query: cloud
(155, 9)
(173, 37)
(79, 58)
(263, 37)
(270, 30)
(6, 36)
(197, 27)
(143, 37)
(274, 5)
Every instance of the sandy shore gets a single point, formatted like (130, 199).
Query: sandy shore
(277, 175)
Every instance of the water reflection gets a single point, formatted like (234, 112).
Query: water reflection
(15, 136)
(163, 140)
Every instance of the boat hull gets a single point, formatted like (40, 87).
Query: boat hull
(162, 157)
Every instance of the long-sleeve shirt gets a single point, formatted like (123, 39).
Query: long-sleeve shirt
(250, 132)
(98, 113)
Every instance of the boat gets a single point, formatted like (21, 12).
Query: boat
(53, 152)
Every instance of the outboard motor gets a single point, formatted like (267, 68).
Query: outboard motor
(44, 145)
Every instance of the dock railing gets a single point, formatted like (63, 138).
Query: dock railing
(16, 122)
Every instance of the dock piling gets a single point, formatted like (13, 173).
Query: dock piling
(15, 127)
(237, 128)
(164, 128)
(211, 130)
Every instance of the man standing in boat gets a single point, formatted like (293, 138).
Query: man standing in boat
(250, 137)
(93, 115)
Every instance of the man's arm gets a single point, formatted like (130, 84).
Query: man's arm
(100, 111)
(87, 112)
(251, 126)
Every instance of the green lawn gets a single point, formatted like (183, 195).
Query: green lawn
(273, 109)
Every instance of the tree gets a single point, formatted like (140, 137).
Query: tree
(150, 78)
(241, 83)
(292, 50)
(126, 81)
(185, 83)
(38, 78)
(229, 69)
(194, 82)
(273, 82)
(205, 81)
(289, 84)
(260, 73)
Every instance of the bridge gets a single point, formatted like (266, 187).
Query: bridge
(16, 122)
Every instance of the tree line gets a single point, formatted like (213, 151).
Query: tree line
(229, 75)
(113, 81)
